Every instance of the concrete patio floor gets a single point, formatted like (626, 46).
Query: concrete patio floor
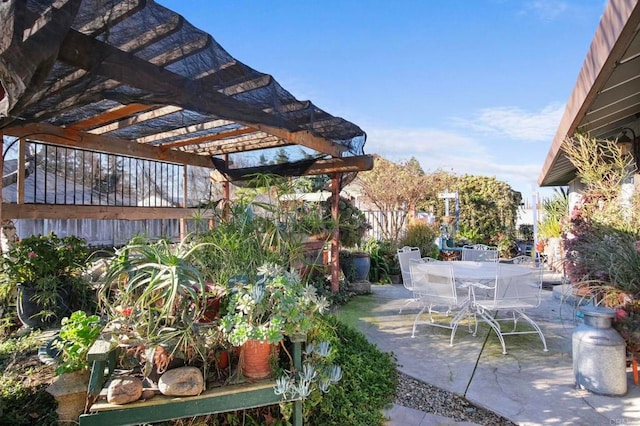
(528, 386)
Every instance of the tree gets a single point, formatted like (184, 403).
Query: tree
(394, 189)
(488, 208)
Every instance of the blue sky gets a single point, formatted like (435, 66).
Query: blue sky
(467, 86)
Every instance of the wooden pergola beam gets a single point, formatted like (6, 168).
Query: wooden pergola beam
(109, 116)
(57, 211)
(209, 138)
(140, 118)
(245, 144)
(70, 137)
(184, 131)
(87, 53)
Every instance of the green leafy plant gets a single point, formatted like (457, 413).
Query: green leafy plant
(383, 260)
(54, 268)
(40, 256)
(368, 382)
(77, 333)
(352, 223)
(273, 304)
(555, 210)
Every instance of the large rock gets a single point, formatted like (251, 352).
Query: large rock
(182, 381)
(124, 390)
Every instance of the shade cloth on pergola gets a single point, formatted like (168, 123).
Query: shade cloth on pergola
(132, 77)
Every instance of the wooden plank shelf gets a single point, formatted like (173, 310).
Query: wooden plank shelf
(160, 408)
(163, 408)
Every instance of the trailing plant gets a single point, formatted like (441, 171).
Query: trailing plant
(316, 377)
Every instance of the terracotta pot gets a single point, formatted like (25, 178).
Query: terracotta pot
(211, 311)
(223, 359)
(254, 359)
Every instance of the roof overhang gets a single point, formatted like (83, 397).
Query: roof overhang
(606, 97)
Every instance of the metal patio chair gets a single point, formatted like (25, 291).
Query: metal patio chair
(511, 295)
(522, 260)
(435, 285)
(405, 255)
(480, 253)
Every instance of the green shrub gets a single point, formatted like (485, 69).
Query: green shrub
(368, 384)
(422, 236)
(383, 260)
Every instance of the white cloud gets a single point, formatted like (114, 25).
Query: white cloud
(546, 10)
(516, 123)
(437, 149)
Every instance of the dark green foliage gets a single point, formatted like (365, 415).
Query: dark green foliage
(383, 260)
(368, 381)
(422, 236)
(488, 208)
(352, 223)
(525, 232)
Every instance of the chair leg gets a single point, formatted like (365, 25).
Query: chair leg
(537, 328)
(408, 301)
(495, 326)
(415, 322)
(455, 322)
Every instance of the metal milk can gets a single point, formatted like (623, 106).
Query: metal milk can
(599, 354)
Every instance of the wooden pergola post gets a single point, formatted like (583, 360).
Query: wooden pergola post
(226, 194)
(335, 239)
(183, 223)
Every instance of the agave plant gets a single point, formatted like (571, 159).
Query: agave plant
(155, 287)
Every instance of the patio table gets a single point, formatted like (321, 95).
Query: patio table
(470, 275)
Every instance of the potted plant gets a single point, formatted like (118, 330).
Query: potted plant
(155, 295)
(77, 333)
(273, 304)
(352, 226)
(48, 273)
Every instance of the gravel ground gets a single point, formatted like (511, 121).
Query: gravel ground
(421, 396)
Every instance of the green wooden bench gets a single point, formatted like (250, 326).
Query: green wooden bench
(102, 357)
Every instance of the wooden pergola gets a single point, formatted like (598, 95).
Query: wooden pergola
(133, 78)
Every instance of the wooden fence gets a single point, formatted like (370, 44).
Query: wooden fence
(115, 233)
